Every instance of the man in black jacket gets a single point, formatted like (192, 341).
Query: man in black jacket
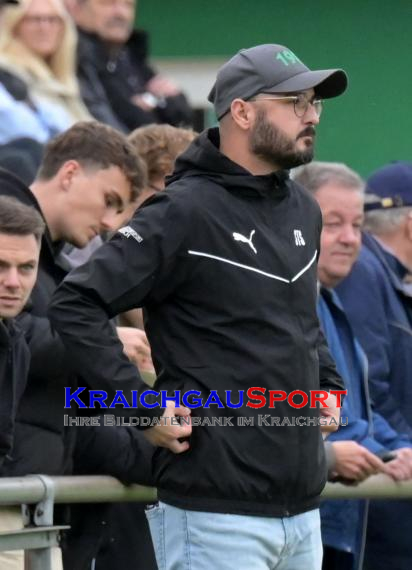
(21, 229)
(224, 264)
(117, 83)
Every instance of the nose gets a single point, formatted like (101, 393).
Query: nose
(11, 279)
(350, 235)
(122, 10)
(311, 116)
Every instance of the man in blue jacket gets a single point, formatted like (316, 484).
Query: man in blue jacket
(377, 297)
(339, 192)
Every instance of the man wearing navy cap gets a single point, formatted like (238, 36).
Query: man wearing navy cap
(224, 264)
(377, 297)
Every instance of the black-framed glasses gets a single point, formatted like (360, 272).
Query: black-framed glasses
(300, 101)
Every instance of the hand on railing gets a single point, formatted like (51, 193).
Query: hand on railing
(354, 463)
(400, 468)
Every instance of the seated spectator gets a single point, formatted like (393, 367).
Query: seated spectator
(377, 297)
(39, 95)
(117, 83)
(21, 230)
(339, 192)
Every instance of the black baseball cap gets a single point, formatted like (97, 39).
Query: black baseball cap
(270, 68)
(392, 184)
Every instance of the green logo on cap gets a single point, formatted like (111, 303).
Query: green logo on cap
(288, 57)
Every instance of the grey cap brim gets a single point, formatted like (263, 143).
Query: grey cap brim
(327, 83)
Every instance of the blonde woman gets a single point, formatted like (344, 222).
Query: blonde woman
(38, 47)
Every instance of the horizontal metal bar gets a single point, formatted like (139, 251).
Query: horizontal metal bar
(30, 538)
(78, 489)
(376, 487)
(95, 489)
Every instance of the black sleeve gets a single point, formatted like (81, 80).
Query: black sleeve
(48, 354)
(122, 452)
(329, 378)
(136, 266)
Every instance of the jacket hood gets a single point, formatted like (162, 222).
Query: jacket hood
(203, 158)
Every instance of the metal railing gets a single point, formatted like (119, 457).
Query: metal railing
(44, 491)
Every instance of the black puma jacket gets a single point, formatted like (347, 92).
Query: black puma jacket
(224, 264)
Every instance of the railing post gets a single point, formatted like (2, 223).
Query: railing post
(41, 558)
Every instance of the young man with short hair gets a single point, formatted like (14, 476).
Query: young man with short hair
(88, 177)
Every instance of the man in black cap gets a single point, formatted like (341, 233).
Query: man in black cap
(224, 264)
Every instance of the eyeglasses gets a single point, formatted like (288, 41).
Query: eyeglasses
(37, 20)
(301, 103)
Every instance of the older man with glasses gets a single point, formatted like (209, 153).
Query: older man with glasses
(224, 263)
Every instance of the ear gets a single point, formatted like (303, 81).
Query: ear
(67, 173)
(242, 113)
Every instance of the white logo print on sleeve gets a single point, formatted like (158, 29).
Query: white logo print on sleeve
(128, 231)
(298, 237)
(240, 237)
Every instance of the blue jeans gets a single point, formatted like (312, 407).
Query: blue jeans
(192, 540)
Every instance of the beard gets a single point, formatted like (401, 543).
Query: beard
(270, 144)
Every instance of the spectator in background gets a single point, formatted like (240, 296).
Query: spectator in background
(39, 93)
(117, 83)
(21, 230)
(159, 146)
(20, 155)
(377, 297)
(356, 446)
